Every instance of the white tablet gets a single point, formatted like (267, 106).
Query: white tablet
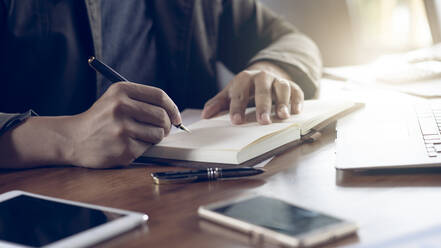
(31, 220)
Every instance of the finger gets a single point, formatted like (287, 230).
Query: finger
(262, 96)
(155, 96)
(239, 94)
(138, 147)
(150, 114)
(134, 149)
(216, 104)
(144, 132)
(282, 90)
(297, 98)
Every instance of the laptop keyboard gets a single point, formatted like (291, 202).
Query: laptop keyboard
(429, 118)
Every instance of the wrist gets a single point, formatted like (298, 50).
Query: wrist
(63, 139)
(40, 141)
(270, 67)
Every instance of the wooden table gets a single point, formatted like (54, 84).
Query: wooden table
(384, 205)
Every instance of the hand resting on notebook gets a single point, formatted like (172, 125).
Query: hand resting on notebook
(266, 83)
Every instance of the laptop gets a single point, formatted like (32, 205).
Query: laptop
(392, 135)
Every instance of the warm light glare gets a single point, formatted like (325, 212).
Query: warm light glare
(386, 26)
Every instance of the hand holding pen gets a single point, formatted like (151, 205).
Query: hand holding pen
(114, 77)
(119, 127)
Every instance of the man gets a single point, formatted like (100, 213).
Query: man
(164, 46)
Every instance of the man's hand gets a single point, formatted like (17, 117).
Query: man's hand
(116, 130)
(122, 124)
(266, 83)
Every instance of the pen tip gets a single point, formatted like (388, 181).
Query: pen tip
(186, 129)
(182, 127)
(91, 59)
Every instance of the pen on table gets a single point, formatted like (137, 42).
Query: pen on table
(203, 175)
(114, 76)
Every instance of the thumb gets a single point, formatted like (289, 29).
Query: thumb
(216, 104)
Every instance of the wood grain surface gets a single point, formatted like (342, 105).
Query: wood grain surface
(384, 205)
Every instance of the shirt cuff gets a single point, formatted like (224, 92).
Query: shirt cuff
(9, 121)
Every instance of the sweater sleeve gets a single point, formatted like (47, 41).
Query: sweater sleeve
(250, 32)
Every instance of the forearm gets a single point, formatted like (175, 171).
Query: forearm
(299, 57)
(36, 142)
(271, 68)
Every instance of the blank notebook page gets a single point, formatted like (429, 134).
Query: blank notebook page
(218, 133)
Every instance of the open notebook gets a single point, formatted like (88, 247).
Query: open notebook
(218, 141)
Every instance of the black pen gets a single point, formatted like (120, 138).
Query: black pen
(114, 76)
(203, 175)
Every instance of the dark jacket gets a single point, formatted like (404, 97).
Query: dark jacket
(191, 34)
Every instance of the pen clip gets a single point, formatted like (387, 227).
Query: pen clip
(162, 179)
